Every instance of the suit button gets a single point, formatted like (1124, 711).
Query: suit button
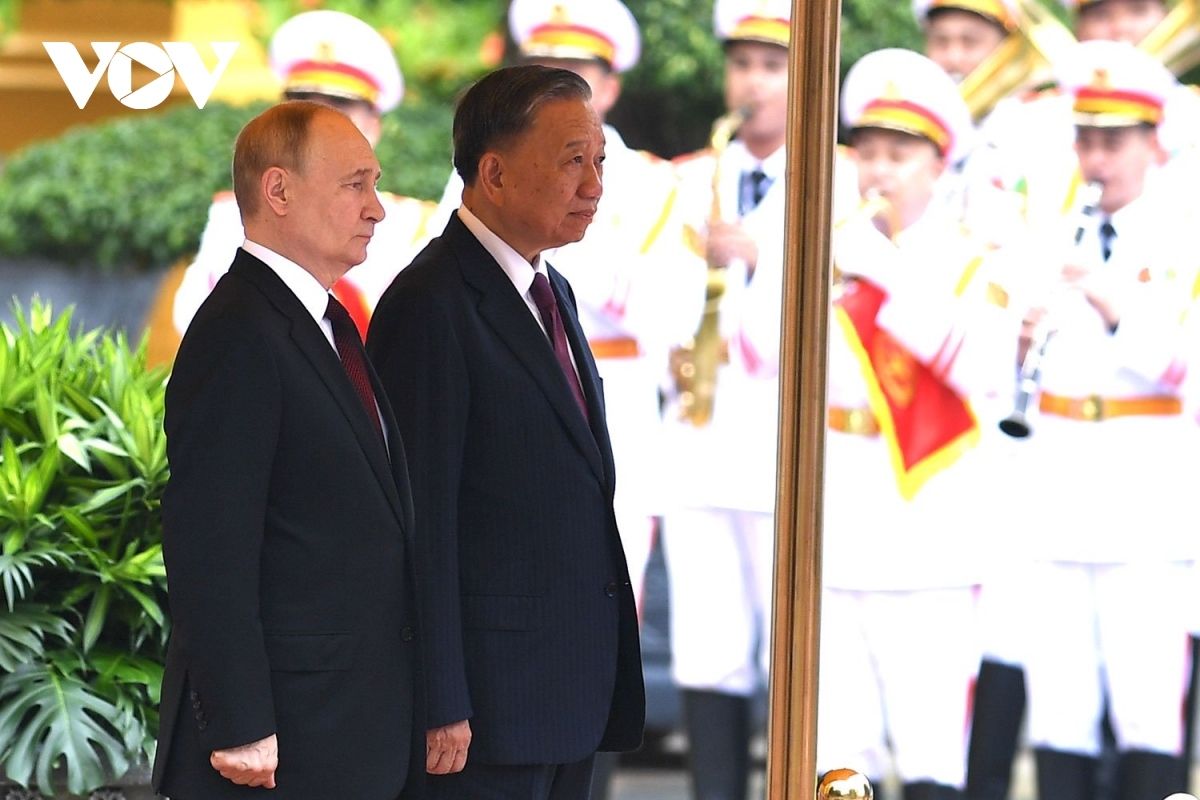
(406, 634)
(611, 590)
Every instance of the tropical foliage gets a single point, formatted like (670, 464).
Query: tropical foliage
(134, 192)
(82, 624)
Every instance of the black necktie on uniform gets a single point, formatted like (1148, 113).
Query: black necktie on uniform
(354, 361)
(753, 188)
(1107, 234)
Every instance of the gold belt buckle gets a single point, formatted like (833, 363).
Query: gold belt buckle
(1092, 408)
(856, 421)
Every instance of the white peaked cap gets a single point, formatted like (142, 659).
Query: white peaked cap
(1004, 12)
(904, 91)
(753, 20)
(1115, 84)
(576, 29)
(336, 54)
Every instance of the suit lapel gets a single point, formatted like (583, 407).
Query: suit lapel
(506, 313)
(585, 363)
(315, 348)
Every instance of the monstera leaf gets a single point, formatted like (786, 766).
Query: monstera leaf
(52, 723)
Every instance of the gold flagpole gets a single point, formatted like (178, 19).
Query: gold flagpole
(791, 756)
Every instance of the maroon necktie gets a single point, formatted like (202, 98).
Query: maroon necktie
(543, 295)
(349, 347)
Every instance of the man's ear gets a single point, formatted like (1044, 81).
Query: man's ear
(491, 177)
(276, 190)
(1160, 153)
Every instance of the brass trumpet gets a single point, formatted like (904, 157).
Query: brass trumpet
(1176, 40)
(1022, 60)
(1029, 380)
(695, 364)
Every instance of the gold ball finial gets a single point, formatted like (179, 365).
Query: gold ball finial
(844, 784)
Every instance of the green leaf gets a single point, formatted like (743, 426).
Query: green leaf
(51, 720)
(105, 496)
(96, 616)
(23, 633)
(73, 449)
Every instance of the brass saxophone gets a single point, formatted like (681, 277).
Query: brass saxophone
(695, 364)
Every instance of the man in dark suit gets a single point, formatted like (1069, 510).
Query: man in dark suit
(532, 654)
(292, 664)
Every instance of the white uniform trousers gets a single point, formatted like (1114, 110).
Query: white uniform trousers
(1003, 610)
(896, 667)
(719, 574)
(1108, 630)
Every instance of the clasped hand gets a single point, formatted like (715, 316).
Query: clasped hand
(251, 764)
(446, 748)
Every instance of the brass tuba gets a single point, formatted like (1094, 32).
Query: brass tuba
(696, 363)
(1022, 61)
(1176, 40)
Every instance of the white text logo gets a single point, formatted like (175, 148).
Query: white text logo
(163, 61)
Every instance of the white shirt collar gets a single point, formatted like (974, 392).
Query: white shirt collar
(308, 290)
(518, 270)
(773, 166)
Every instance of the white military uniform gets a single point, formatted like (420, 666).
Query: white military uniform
(720, 533)
(1108, 475)
(902, 554)
(637, 297)
(333, 54)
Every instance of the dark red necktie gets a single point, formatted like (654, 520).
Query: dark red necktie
(543, 296)
(350, 349)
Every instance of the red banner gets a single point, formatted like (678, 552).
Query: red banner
(926, 424)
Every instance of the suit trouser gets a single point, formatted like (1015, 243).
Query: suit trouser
(515, 782)
(896, 667)
(719, 574)
(1108, 631)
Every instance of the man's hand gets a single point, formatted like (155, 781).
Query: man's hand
(446, 748)
(728, 241)
(250, 764)
(1097, 289)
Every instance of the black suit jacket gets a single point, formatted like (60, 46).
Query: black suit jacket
(287, 545)
(529, 620)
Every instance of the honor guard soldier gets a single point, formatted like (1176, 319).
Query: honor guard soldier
(961, 34)
(1106, 479)
(636, 295)
(722, 421)
(337, 60)
(1033, 133)
(919, 332)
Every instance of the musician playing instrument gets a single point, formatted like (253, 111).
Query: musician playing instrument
(1106, 479)
(719, 534)
(919, 330)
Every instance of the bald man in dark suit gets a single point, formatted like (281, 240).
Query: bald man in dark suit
(292, 670)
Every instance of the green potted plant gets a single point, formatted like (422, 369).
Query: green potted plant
(82, 584)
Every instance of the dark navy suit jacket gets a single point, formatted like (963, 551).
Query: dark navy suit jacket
(287, 536)
(529, 620)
